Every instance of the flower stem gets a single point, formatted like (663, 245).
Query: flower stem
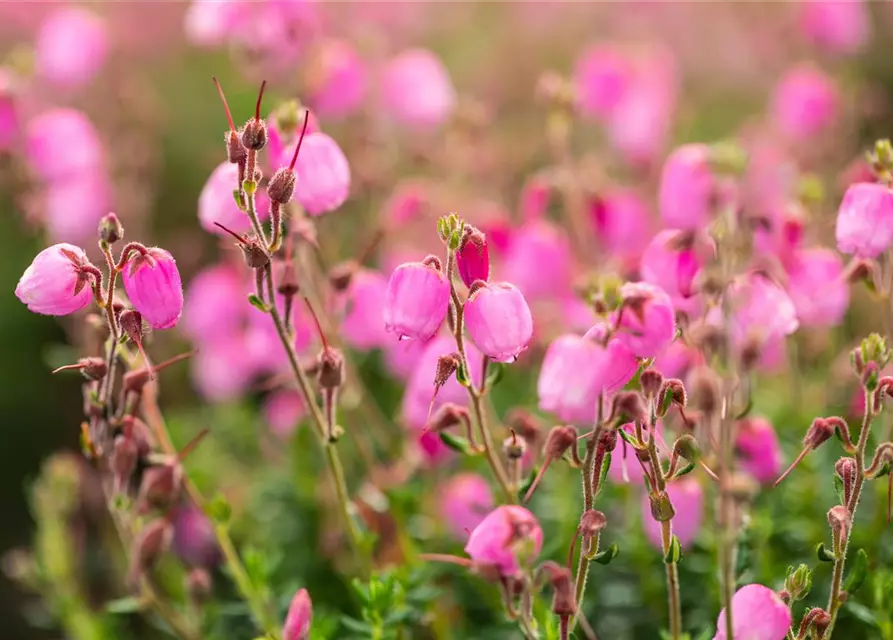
(672, 582)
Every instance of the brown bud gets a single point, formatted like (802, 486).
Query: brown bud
(703, 388)
(198, 585)
(341, 275)
(525, 425)
(235, 150)
(816, 619)
(110, 229)
(281, 187)
(559, 440)
(255, 255)
(161, 486)
(330, 374)
(743, 488)
(751, 351)
(651, 380)
(629, 404)
(132, 324)
(254, 134)
(447, 416)
(708, 337)
(123, 460)
(148, 547)
(514, 447)
(446, 367)
(138, 431)
(607, 440)
(661, 506)
(433, 262)
(819, 431)
(592, 522)
(564, 601)
(839, 518)
(286, 278)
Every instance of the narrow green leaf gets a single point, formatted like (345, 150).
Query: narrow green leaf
(218, 510)
(123, 606)
(456, 443)
(606, 555)
(824, 554)
(674, 553)
(257, 303)
(857, 573)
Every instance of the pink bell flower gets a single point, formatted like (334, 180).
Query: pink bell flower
(465, 500)
(622, 223)
(837, 26)
(818, 287)
(61, 143)
(498, 321)
(221, 370)
(602, 76)
(210, 23)
(73, 206)
(299, 617)
(538, 260)
(194, 540)
(758, 613)
(762, 316)
(336, 79)
(283, 410)
(323, 173)
(473, 258)
(758, 449)
(687, 497)
(152, 283)
(216, 203)
(672, 263)
(432, 450)
(688, 188)
(71, 47)
(417, 89)
(508, 538)
(806, 102)
(363, 325)
(402, 356)
(865, 220)
(646, 323)
(214, 306)
(54, 284)
(416, 301)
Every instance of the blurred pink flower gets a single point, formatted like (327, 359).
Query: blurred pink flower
(758, 449)
(677, 360)
(299, 617)
(210, 23)
(688, 188)
(402, 356)
(61, 143)
(217, 204)
(473, 258)
(757, 614)
(50, 284)
(805, 103)
(73, 206)
(646, 323)
(323, 173)
(622, 223)
(498, 321)
(672, 263)
(602, 76)
(818, 287)
(538, 260)
(865, 220)
(222, 370)
(762, 315)
(262, 344)
(283, 410)
(465, 500)
(152, 282)
(417, 89)
(71, 47)
(214, 307)
(336, 79)
(194, 541)
(508, 538)
(838, 26)
(534, 199)
(432, 449)
(687, 497)
(9, 117)
(280, 146)
(362, 326)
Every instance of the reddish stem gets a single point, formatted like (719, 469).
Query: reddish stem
(443, 557)
(229, 116)
(294, 158)
(793, 464)
(190, 446)
(536, 481)
(322, 336)
(69, 367)
(240, 238)
(260, 97)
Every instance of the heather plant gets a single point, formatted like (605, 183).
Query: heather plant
(400, 372)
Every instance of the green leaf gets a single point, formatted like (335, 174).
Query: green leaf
(456, 443)
(861, 613)
(495, 373)
(218, 510)
(356, 626)
(239, 197)
(257, 303)
(606, 555)
(857, 573)
(606, 464)
(528, 481)
(684, 470)
(462, 376)
(630, 438)
(674, 553)
(838, 488)
(123, 606)
(823, 554)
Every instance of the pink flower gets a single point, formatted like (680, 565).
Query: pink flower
(577, 370)
(757, 614)
(9, 116)
(222, 369)
(402, 356)
(405, 203)
(647, 320)
(72, 46)
(416, 301)
(262, 343)
(687, 498)
(281, 146)
(762, 314)
(671, 263)
(688, 188)
(838, 26)
(323, 175)
(677, 360)
(817, 287)
(217, 204)
(152, 283)
(805, 102)
(625, 467)
(473, 258)
(538, 260)
(432, 449)
(508, 538)
(299, 617)
(53, 284)
(214, 307)
(498, 321)
(61, 143)
(74, 205)
(758, 449)
(535, 196)
(336, 79)
(602, 76)
(194, 541)
(865, 220)
(210, 23)
(283, 410)
(417, 89)
(622, 223)
(464, 502)
(363, 324)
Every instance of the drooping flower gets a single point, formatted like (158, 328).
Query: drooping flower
(688, 188)
(687, 498)
(758, 449)
(865, 220)
(758, 613)
(498, 321)
(214, 306)
(282, 411)
(473, 258)
(507, 539)
(152, 282)
(416, 301)
(299, 617)
(465, 500)
(805, 102)
(417, 89)
(71, 47)
(762, 314)
(672, 263)
(63, 143)
(363, 325)
(818, 287)
(646, 322)
(323, 173)
(838, 26)
(54, 284)
(336, 79)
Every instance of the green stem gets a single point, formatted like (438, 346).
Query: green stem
(672, 581)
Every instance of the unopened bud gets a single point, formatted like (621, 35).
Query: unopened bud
(123, 461)
(286, 278)
(525, 425)
(446, 367)
(559, 440)
(798, 582)
(198, 585)
(881, 463)
(138, 431)
(819, 431)
(672, 391)
(448, 415)
(687, 447)
(341, 275)
(149, 546)
(110, 229)
(161, 486)
(514, 447)
(661, 506)
(703, 387)
(592, 522)
(870, 376)
(629, 404)
(254, 134)
(874, 349)
(330, 374)
(839, 518)
(607, 440)
(132, 324)
(708, 338)
(281, 187)
(751, 351)
(651, 381)
(235, 150)
(255, 255)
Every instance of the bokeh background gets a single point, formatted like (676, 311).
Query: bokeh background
(161, 121)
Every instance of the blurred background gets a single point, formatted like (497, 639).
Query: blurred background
(141, 72)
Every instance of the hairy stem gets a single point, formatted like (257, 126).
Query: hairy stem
(672, 582)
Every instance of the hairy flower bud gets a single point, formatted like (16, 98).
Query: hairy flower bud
(559, 440)
(161, 486)
(661, 506)
(473, 257)
(447, 365)
(299, 617)
(591, 523)
(629, 404)
(840, 519)
(330, 373)
(798, 582)
(448, 415)
(607, 440)
(819, 431)
(148, 547)
(703, 387)
(236, 152)
(514, 447)
(651, 382)
(281, 187)
(286, 278)
(110, 229)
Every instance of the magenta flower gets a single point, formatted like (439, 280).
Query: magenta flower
(9, 113)
(363, 325)
(283, 410)
(576, 370)
(534, 199)
(323, 175)
(209, 23)
(818, 287)
(53, 284)
(602, 76)
(677, 360)
(280, 146)
(508, 538)
(465, 500)
(336, 79)
(622, 223)
(262, 343)
(416, 301)
(758, 449)
(194, 541)
(538, 260)
(865, 220)
(152, 283)
(687, 497)
(688, 188)
(805, 102)
(417, 89)
(625, 468)
(473, 258)
(758, 613)
(299, 617)
(62, 143)
(402, 356)
(72, 46)
(432, 450)
(646, 322)
(498, 321)
(838, 26)
(214, 307)
(216, 202)
(222, 370)
(672, 264)
(73, 206)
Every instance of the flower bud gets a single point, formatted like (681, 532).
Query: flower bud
(874, 349)
(798, 582)
(341, 275)
(870, 376)
(330, 374)
(236, 152)
(672, 391)
(148, 547)
(514, 447)
(816, 620)
(255, 255)
(110, 229)
(819, 431)
(661, 506)
(607, 440)
(881, 464)
(559, 440)
(198, 585)
(687, 447)
(161, 486)
(299, 617)
(630, 406)
(473, 257)
(448, 415)
(591, 523)
(281, 187)
(840, 519)
(703, 388)
(447, 365)
(286, 278)
(123, 461)
(651, 381)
